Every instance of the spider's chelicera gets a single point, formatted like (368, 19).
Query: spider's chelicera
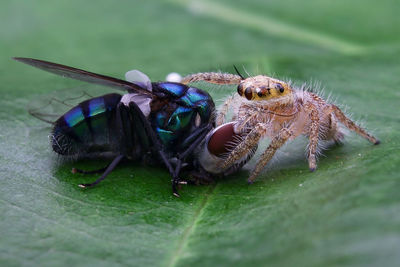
(276, 109)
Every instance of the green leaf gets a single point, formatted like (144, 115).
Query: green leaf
(345, 213)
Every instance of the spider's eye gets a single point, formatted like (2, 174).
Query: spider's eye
(248, 93)
(240, 89)
(280, 88)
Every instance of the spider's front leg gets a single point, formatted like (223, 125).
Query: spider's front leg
(220, 119)
(276, 142)
(212, 77)
(228, 104)
(216, 78)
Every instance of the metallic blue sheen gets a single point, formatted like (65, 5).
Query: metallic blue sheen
(194, 95)
(74, 116)
(176, 89)
(96, 106)
(174, 126)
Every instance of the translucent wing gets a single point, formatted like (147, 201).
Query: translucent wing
(85, 76)
(50, 107)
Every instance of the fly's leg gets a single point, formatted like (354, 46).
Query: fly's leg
(352, 126)
(212, 77)
(75, 170)
(124, 125)
(194, 140)
(109, 169)
(313, 137)
(276, 143)
(246, 146)
(157, 147)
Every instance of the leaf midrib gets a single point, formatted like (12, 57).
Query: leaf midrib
(191, 226)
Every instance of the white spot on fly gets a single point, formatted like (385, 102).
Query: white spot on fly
(142, 101)
(197, 121)
(174, 77)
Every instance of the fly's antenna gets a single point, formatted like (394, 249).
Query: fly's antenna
(238, 73)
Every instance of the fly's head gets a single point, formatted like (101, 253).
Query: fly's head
(218, 144)
(263, 88)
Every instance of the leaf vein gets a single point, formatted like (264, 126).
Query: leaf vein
(191, 227)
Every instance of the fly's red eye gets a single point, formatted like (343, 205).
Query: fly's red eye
(220, 139)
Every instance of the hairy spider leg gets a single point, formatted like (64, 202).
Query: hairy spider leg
(223, 111)
(246, 145)
(276, 142)
(313, 138)
(352, 126)
(212, 77)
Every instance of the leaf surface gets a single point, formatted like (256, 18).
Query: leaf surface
(345, 213)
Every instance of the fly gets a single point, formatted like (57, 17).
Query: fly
(169, 122)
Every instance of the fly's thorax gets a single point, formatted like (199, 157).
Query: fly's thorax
(264, 88)
(178, 111)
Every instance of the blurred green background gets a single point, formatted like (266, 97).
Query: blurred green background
(346, 213)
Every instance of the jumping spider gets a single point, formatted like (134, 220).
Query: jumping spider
(276, 109)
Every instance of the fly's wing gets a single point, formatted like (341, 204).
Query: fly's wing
(85, 76)
(50, 107)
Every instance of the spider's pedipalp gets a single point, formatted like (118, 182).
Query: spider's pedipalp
(247, 144)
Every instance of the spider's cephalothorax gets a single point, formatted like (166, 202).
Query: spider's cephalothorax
(263, 88)
(273, 108)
